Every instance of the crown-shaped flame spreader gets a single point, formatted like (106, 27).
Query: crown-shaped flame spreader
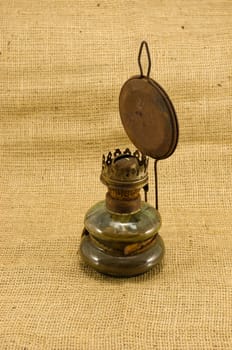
(124, 168)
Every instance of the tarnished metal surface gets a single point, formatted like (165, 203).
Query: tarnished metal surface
(148, 117)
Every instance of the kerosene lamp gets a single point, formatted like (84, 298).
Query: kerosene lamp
(120, 235)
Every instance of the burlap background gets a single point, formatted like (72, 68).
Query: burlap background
(62, 65)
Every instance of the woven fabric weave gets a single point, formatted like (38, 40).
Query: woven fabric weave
(62, 66)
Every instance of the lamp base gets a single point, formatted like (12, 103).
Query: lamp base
(121, 266)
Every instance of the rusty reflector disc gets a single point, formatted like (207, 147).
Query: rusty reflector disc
(147, 114)
(148, 117)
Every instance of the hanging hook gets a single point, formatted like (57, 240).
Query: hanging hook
(144, 43)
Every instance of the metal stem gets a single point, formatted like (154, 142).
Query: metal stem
(156, 184)
(145, 188)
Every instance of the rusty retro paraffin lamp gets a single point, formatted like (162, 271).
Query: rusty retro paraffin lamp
(120, 236)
